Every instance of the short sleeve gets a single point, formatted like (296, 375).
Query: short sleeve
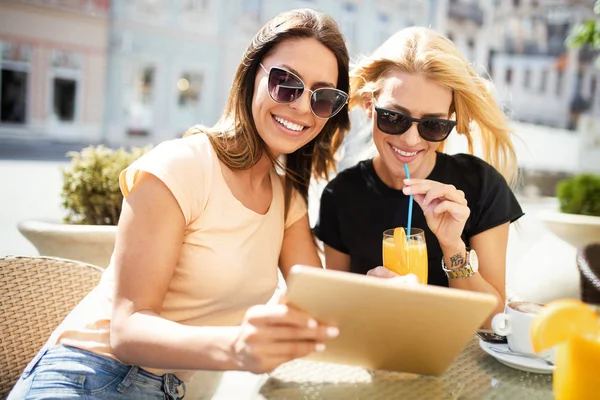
(497, 203)
(183, 165)
(297, 209)
(327, 228)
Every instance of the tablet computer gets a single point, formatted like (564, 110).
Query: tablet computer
(385, 325)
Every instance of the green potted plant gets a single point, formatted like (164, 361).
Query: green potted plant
(92, 200)
(578, 219)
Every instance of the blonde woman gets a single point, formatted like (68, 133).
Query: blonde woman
(205, 225)
(416, 88)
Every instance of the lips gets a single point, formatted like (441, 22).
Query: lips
(289, 124)
(405, 156)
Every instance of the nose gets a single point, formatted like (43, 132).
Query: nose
(302, 104)
(411, 136)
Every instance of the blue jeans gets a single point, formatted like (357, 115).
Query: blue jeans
(62, 372)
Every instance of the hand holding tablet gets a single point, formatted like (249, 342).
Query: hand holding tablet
(399, 327)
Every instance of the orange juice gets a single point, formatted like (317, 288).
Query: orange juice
(406, 256)
(577, 365)
(574, 328)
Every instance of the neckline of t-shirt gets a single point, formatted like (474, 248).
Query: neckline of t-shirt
(384, 188)
(272, 176)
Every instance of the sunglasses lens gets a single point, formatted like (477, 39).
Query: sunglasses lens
(284, 87)
(392, 123)
(327, 102)
(435, 130)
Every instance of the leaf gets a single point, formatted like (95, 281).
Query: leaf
(90, 192)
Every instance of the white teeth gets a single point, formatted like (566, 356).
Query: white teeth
(404, 153)
(288, 124)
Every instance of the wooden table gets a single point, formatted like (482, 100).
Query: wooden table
(473, 375)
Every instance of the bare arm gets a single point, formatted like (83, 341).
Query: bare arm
(149, 240)
(335, 259)
(298, 247)
(490, 247)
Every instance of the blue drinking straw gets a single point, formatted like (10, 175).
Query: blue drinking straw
(410, 205)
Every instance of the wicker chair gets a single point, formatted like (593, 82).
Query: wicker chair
(37, 294)
(588, 262)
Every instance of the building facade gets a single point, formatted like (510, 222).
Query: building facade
(53, 68)
(171, 63)
(539, 79)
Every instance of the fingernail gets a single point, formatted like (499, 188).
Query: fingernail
(406, 190)
(312, 324)
(320, 347)
(332, 332)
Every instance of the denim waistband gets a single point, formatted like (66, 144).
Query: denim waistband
(172, 386)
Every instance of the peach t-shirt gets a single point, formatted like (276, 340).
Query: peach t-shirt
(229, 257)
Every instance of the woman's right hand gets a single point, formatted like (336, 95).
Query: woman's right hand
(273, 334)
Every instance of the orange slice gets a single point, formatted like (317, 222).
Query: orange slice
(400, 246)
(561, 320)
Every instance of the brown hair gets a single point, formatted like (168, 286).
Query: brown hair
(418, 50)
(235, 138)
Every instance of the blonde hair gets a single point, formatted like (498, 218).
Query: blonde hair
(235, 138)
(418, 50)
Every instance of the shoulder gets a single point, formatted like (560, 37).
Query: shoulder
(349, 178)
(184, 165)
(469, 168)
(196, 147)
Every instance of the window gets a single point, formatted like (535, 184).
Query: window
(141, 107)
(13, 96)
(543, 81)
(64, 99)
(471, 47)
(559, 80)
(14, 81)
(527, 79)
(64, 85)
(189, 86)
(146, 85)
(508, 76)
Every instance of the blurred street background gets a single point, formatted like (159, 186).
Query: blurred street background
(134, 72)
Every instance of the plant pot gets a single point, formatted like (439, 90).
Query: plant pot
(577, 230)
(93, 244)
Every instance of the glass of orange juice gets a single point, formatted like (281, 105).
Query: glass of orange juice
(574, 328)
(406, 252)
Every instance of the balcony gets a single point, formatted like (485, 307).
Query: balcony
(462, 11)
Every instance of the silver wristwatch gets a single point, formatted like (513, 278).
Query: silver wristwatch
(469, 269)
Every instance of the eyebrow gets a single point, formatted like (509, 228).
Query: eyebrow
(317, 84)
(407, 112)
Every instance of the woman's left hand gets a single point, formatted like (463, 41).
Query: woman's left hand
(445, 208)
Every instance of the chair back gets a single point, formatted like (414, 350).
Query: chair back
(588, 262)
(36, 294)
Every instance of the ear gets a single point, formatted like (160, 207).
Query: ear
(367, 99)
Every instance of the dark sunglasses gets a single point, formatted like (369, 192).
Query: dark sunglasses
(285, 87)
(430, 129)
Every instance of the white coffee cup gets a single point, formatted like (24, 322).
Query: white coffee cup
(515, 324)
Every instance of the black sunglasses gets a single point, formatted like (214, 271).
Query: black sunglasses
(285, 87)
(430, 129)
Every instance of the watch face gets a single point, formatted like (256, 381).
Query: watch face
(473, 260)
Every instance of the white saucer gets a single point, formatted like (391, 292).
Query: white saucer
(521, 363)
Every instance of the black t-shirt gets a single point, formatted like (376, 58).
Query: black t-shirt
(357, 206)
